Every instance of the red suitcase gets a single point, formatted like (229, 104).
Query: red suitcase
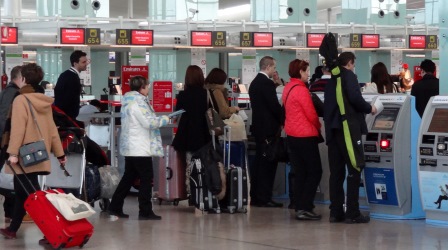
(172, 177)
(59, 232)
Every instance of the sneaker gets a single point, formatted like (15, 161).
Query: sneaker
(119, 215)
(27, 219)
(8, 234)
(307, 215)
(359, 219)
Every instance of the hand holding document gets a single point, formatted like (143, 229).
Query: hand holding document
(378, 106)
(176, 113)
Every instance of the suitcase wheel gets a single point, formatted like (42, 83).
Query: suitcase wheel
(104, 204)
(160, 201)
(86, 239)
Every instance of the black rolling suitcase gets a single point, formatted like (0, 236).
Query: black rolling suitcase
(237, 191)
(200, 196)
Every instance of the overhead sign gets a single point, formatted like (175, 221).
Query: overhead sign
(246, 39)
(417, 41)
(72, 35)
(93, 36)
(9, 35)
(127, 72)
(431, 42)
(123, 37)
(370, 40)
(263, 39)
(142, 37)
(201, 38)
(219, 38)
(314, 40)
(355, 40)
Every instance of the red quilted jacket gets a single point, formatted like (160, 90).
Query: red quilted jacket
(301, 117)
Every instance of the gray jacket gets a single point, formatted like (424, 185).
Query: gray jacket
(6, 98)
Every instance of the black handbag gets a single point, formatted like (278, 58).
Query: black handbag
(34, 152)
(276, 149)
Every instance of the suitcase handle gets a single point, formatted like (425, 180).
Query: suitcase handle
(26, 177)
(169, 173)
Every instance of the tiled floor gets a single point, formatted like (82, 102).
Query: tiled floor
(183, 227)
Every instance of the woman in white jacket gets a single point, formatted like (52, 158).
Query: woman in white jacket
(140, 140)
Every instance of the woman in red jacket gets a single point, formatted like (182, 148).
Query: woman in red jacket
(302, 127)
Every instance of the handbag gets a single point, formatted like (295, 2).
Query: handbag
(110, 177)
(276, 149)
(6, 180)
(214, 121)
(238, 128)
(69, 206)
(34, 152)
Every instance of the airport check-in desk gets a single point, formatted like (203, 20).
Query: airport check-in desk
(390, 174)
(433, 161)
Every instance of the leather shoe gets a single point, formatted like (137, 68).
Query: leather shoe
(119, 215)
(150, 217)
(270, 204)
(277, 204)
(8, 234)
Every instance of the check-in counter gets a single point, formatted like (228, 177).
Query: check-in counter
(390, 174)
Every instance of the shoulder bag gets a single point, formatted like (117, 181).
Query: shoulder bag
(214, 121)
(34, 152)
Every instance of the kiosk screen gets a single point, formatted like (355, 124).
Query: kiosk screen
(386, 119)
(439, 121)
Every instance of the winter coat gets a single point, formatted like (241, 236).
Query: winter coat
(24, 130)
(423, 90)
(220, 95)
(6, 97)
(301, 117)
(140, 134)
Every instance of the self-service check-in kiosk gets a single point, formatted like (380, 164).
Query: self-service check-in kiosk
(433, 161)
(390, 174)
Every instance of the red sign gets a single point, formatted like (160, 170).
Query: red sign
(313, 40)
(264, 39)
(417, 42)
(162, 96)
(9, 35)
(72, 36)
(417, 73)
(127, 72)
(370, 41)
(201, 38)
(142, 37)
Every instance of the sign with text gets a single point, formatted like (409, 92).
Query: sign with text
(355, 40)
(431, 42)
(93, 36)
(162, 96)
(313, 40)
(417, 41)
(127, 72)
(219, 38)
(142, 37)
(72, 35)
(122, 37)
(246, 39)
(9, 35)
(370, 40)
(263, 39)
(201, 38)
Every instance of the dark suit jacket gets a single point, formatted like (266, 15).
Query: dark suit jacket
(266, 110)
(67, 93)
(332, 115)
(192, 131)
(423, 89)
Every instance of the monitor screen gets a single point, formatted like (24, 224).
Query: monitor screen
(439, 121)
(386, 119)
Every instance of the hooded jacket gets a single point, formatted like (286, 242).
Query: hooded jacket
(140, 134)
(24, 130)
(219, 93)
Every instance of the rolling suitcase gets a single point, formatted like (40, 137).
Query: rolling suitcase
(172, 177)
(59, 232)
(201, 197)
(237, 191)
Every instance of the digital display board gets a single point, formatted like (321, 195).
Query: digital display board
(142, 37)
(246, 39)
(72, 35)
(314, 40)
(370, 40)
(417, 41)
(439, 121)
(123, 37)
(432, 42)
(219, 38)
(93, 36)
(355, 40)
(386, 119)
(201, 38)
(9, 35)
(263, 39)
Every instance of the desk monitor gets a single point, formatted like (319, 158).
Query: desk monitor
(386, 119)
(439, 121)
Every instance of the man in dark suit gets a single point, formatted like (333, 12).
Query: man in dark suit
(426, 87)
(266, 122)
(68, 87)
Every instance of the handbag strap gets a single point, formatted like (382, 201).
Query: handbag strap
(209, 100)
(32, 114)
(289, 92)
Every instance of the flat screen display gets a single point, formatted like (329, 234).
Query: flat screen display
(417, 41)
(263, 39)
(142, 37)
(370, 40)
(313, 40)
(9, 35)
(72, 35)
(386, 119)
(439, 121)
(201, 38)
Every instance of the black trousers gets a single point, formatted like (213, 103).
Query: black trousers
(8, 204)
(263, 175)
(305, 159)
(135, 167)
(339, 161)
(21, 196)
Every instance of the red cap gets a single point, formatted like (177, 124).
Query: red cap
(405, 66)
